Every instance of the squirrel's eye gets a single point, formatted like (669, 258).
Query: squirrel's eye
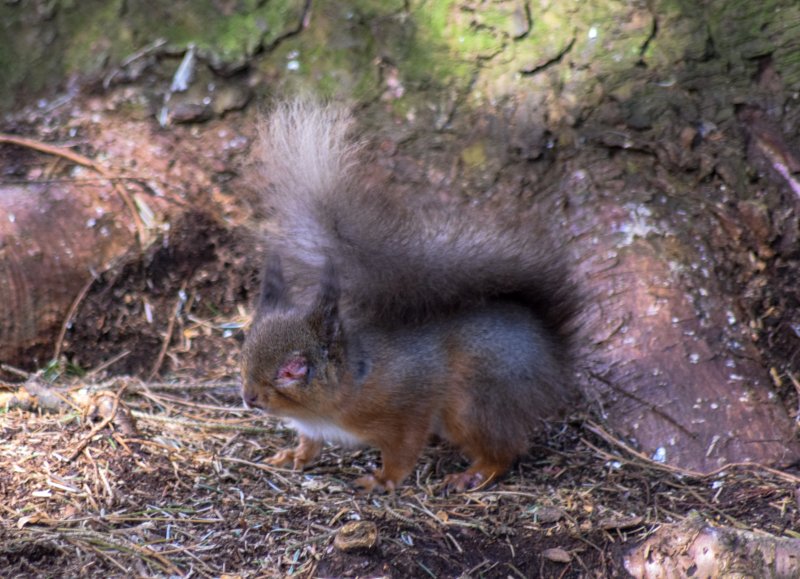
(294, 368)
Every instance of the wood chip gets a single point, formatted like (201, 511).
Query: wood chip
(356, 535)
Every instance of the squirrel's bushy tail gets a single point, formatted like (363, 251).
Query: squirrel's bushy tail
(394, 265)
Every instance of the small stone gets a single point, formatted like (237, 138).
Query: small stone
(547, 515)
(189, 112)
(232, 97)
(356, 535)
(557, 555)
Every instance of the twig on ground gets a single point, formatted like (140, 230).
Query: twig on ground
(170, 328)
(99, 426)
(70, 313)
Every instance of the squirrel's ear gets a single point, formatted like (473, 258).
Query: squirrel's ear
(324, 316)
(273, 285)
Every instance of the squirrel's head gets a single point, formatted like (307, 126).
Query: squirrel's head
(289, 355)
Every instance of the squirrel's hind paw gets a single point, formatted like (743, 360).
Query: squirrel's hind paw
(469, 480)
(375, 483)
(282, 458)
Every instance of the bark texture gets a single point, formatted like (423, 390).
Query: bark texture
(52, 239)
(694, 549)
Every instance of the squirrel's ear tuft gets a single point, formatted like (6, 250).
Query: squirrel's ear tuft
(273, 285)
(324, 316)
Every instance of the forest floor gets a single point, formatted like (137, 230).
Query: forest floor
(181, 489)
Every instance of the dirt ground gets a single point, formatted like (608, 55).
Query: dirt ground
(187, 494)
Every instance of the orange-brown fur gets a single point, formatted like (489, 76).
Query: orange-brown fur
(380, 327)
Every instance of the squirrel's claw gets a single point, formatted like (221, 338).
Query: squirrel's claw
(466, 481)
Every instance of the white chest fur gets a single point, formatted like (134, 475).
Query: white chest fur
(327, 431)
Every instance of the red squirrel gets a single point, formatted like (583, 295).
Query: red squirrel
(377, 325)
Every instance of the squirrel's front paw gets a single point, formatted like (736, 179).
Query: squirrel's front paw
(305, 452)
(375, 483)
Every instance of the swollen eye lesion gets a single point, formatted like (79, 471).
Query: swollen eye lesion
(293, 368)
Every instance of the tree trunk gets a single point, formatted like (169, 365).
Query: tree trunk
(52, 239)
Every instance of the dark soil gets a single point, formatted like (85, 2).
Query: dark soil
(204, 268)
